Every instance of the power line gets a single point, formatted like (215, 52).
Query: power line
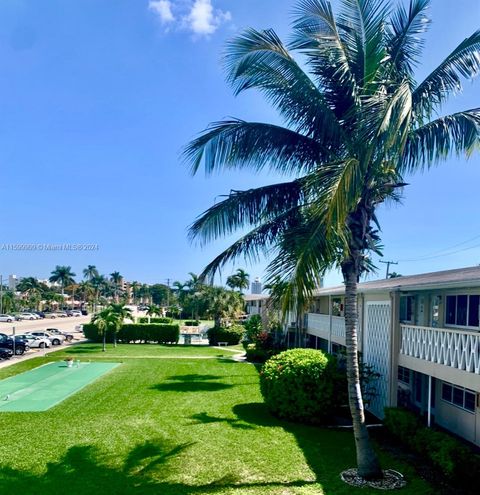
(441, 255)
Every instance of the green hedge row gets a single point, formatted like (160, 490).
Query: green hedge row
(231, 335)
(453, 458)
(144, 319)
(192, 323)
(154, 332)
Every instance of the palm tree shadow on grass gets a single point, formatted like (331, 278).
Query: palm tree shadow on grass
(147, 469)
(192, 383)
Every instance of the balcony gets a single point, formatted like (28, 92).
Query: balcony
(319, 325)
(457, 349)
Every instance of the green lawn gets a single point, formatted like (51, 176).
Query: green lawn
(171, 426)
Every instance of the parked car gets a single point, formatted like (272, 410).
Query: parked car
(29, 316)
(60, 314)
(5, 353)
(142, 307)
(34, 341)
(7, 318)
(41, 314)
(56, 331)
(20, 345)
(54, 339)
(73, 312)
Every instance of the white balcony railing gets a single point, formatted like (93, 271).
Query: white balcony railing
(455, 348)
(318, 322)
(321, 323)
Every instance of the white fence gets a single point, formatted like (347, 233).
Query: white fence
(455, 348)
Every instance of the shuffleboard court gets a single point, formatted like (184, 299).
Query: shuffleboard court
(43, 387)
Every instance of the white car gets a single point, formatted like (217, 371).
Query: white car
(7, 318)
(76, 312)
(54, 339)
(29, 316)
(34, 341)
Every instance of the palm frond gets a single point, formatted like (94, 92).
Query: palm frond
(305, 253)
(238, 144)
(258, 59)
(362, 24)
(463, 62)
(259, 241)
(404, 43)
(456, 134)
(316, 35)
(242, 209)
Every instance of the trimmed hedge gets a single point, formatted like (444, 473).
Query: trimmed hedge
(144, 319)
(191, 323)
(302, 385)
(449, 455)
(231, 335)
(158, 333)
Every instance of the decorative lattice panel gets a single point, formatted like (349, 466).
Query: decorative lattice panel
(455, 348)
(377, 350)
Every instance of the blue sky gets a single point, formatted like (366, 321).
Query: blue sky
(97, 99)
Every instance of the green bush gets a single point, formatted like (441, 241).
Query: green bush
(144, 319)
(446, 453)
(255, 355)
(231, 335)
(159, 333)
(302, 385)
(192, 323)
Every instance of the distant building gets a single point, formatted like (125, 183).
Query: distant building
(256, 286)
(12, 282)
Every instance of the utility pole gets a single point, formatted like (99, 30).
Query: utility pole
(168, 291)
(388, 263)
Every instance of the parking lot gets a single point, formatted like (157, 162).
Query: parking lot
(70, 325)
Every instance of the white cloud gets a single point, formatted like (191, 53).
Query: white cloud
(197, 16)
(163, 8)
(204, 19)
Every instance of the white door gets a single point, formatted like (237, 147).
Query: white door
(377, 351)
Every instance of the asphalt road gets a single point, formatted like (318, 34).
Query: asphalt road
(64, 324)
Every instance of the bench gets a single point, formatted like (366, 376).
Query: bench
(222, 343)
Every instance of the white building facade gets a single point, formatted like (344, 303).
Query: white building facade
(422, 334)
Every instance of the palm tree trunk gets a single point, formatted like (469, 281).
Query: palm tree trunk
(104, 347)
(114, 339)
(367, 461)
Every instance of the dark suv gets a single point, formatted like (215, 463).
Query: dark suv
(20, 345)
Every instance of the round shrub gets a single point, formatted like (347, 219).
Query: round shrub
(231, 335)
(302, 385)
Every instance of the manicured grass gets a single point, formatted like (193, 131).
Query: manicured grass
(171, 426)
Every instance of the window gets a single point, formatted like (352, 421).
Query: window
(404, 374)
(462, 310)
(458, 396)
(406, 308)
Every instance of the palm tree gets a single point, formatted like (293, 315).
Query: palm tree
(64, 276)
(221, 304)
(106, 320)
(90, 272)
(116, 279)
(134, 286)
(355, 124)
(239, 280)
(122, 314)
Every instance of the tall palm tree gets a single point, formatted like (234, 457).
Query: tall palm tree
(62, 275)
(355, 124)
(116, 279)
(134, 286)
(90, 272)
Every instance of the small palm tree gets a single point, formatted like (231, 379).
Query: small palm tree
(62, 275)
(105, 320)
(355, 124)
(122, 314)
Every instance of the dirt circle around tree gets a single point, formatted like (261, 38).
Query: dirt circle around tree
(392, 480)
